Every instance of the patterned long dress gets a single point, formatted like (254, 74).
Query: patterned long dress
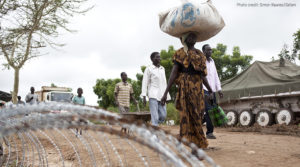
(190, 96)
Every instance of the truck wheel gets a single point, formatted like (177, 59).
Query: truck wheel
(284, 116)
(232, 118)
(246, 118)
(264, 118)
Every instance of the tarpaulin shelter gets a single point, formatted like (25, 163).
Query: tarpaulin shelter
(262, 78)
(5, 96)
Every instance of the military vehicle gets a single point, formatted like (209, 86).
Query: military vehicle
(265, 93)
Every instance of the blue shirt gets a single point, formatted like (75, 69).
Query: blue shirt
(79, 100)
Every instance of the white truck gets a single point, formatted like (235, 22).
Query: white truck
(58, 94)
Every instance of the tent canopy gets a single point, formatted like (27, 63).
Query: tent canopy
(5, 96)
(262, 78)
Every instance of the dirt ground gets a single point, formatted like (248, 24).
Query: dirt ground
(242, 147)
(260, 147)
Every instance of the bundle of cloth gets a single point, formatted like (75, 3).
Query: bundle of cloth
(203, 19)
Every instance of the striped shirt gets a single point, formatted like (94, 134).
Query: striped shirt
(123, 90)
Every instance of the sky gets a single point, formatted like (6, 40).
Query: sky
(118, 35)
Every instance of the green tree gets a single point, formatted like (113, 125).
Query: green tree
(296, 45)
(292, 55)
(285, 54)
(27, 26)
(104, 89)
(137, 89)
(53, 85)
(229, 66)
(167, 63)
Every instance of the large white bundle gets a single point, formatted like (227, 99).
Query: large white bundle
(200, 18)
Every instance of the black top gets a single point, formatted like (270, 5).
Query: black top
(190, 70)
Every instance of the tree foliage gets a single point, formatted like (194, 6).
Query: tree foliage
(227, 65)
(29, 25)
(7, 6)
(53, 85)
(296, 45)
(291, 55)
(285, 54)
(104, 89)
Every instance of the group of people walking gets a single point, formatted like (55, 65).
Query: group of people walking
(195, 75)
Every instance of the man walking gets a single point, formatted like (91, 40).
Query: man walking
(215, 84)
(123, 94)
(31, 98)
(154, 85)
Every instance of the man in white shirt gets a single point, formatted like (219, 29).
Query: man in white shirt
(154, 84)
(215, 84)
(31, 98)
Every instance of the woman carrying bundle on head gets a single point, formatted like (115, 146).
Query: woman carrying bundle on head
(189, 72)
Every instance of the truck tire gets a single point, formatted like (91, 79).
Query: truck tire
(232, 118)
(284, 116)
(264, 118)
(246, 118)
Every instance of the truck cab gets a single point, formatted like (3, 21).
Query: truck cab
(60, 96)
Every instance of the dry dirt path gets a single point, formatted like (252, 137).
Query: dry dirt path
(252, 149)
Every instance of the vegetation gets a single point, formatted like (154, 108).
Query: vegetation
(291, 55)
(104, 89)
(285, 54)
(173, 113)
(296, 44)
(227, 65)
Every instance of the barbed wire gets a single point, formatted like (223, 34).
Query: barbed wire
(39, 117)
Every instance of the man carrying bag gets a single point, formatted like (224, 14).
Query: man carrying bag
(215, 84)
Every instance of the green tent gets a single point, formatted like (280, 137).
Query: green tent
(262, 78)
